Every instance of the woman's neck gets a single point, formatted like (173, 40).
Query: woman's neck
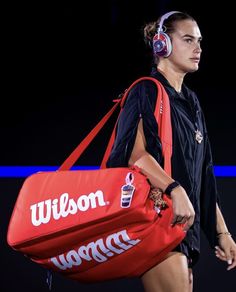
(174, 78)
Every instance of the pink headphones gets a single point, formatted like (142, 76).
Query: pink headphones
(161, 41)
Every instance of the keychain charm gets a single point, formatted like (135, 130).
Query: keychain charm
(156, 195)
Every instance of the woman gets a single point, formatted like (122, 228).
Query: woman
(175, 40)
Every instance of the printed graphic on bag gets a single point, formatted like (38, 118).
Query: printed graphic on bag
(43, 212)
(127, 191)
(98, 251)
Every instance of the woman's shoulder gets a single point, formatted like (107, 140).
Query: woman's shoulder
(144, 86)
(144, 92)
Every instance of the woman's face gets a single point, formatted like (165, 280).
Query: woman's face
(186, 50)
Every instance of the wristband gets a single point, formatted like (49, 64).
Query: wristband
(170, 187)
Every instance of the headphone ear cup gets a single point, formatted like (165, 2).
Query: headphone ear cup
(162, 46)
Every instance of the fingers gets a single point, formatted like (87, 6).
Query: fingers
(220, 253)
(178, 220)
(230, 258)
(182, 208)
(232, 265)
(186, 220)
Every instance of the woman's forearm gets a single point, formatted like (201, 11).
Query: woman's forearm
(154, 172)
(220, 222)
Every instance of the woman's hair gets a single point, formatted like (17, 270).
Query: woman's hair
(150, 29)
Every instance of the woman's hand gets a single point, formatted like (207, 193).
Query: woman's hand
(182, 208)
(226, 251)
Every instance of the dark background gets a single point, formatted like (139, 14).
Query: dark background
(64, 64)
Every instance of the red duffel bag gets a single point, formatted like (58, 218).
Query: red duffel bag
(89, 224)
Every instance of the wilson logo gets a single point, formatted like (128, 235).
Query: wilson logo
(98, 251)
(42, 212)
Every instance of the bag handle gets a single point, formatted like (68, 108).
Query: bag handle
(162, 112)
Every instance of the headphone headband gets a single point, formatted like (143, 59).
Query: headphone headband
(163, 18)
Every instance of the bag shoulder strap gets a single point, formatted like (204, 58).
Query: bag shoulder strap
(162, 114)
(163, 118)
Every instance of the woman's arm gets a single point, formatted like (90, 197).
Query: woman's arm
(182, 207)
(226, 251)
(221, 227)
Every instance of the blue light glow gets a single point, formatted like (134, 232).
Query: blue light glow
(24, 171)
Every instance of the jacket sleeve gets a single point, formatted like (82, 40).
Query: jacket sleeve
(139, 104)
(209, 195)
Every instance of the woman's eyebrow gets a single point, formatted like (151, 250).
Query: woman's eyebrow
(192, 37)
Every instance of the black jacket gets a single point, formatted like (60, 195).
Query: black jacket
(191, 161)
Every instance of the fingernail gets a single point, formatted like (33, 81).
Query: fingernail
(229, 262)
